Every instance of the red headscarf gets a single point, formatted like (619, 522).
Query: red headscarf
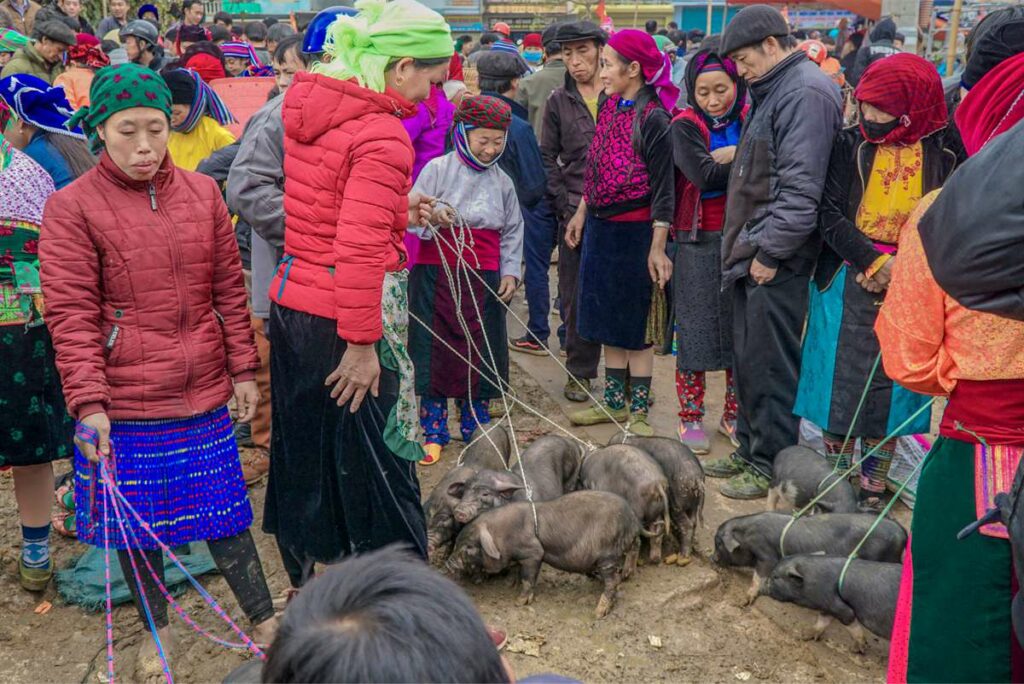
(207, 66)
(89, 55)
(993, 105)
(638, 46)
(908, 87)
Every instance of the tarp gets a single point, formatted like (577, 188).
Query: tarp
(872, 9)
(243, 96)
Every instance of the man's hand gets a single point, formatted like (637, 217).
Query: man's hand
(357, 374)
(101, 424)
(724, 155)
(421, 207)
(659, 266)
(247, 396)
(762, 274)
(574, 229)
(507, 288)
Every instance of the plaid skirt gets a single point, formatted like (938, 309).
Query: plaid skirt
(182, 476)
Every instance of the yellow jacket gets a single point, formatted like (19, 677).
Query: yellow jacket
(189, 149)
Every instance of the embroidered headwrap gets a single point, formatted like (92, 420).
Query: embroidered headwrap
(246, 51)
(88, 52)
(638, 46)
(908, 87)
(39, 104)
(116, 88)
(188, 87)
(362, 47)
(703, 62)
(482, 111)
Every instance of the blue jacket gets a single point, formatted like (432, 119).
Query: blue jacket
(47, 156)
(522, 160)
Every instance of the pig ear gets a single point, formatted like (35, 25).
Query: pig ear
(731, 543)
(793, 573)
(456, 489)
(487, 542)
(507, 486)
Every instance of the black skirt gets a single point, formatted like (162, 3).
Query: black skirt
(703, 311)
(34, 425)
(335, 488)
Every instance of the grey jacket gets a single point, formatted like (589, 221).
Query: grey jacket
(255, 192)
(535, 89)
(779, 170)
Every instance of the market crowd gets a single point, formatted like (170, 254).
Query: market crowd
(812, 213)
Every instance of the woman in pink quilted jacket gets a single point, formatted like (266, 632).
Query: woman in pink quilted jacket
(344, 443)
(146, 305)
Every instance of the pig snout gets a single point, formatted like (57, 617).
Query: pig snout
(465, 512)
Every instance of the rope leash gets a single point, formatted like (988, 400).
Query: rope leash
(856, 417)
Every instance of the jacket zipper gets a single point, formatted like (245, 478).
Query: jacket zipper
(112, 337)
(152, 197)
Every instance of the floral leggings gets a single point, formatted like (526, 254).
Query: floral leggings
(434, 418)
(691, 385)
(873, 470)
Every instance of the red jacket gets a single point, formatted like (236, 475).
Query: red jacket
(348, 171)
(145, 298)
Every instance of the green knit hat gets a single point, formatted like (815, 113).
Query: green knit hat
(119, 87)
(362, 46)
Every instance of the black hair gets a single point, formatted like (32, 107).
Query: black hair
(800, 34)
(269, 21)
(677, 37)
(219, 32)
(420, 63)
(292, 43)
(109, 46)
(186, 5)
(383, 616)
(256, 30)
(74, 151)
(171, 35)
(662, 32)
(651, 26)
(900, 37)
(787, 41)
(712, 42)
(222, 17)
(495, 85)
(489, 38)
(673, 26)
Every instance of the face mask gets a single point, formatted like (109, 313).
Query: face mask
(876, 132)
(533, 55)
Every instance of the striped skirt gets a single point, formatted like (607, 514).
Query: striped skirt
(182, 476)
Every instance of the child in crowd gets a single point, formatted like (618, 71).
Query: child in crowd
(469, 179)
(623, 223)
(240, 60)
(83, 61)
(198, 118)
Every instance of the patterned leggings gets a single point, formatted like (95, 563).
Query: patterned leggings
(873, 470)
(690, 386)
(434, 418)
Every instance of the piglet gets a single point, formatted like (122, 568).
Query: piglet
(632, 474)
(799, 474)
(440, 511)
(867, 597)
(754, 540)
(685, 486)
(592, 533)
(489, 447)
(551, 465)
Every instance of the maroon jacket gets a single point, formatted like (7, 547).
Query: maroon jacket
(144, 294)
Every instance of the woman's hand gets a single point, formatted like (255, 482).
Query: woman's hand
(574, 229)
(507, 288)
(421, 207)
(724, 155)
(358, 372)
(659, 266)
(247, 396)
(443, 215)
(883, 276)
(869, 284)
(95, 451)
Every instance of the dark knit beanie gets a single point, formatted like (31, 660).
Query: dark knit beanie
(182, 86)
(992, 49)
(752, 25)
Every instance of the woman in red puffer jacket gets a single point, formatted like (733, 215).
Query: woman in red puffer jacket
(147, 308)
(343, 471)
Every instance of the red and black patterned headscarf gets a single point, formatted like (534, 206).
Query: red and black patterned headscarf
(908, 87)
(484, 111)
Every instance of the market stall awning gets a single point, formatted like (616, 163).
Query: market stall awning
(872, 9)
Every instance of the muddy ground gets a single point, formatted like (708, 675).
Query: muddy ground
(670, 624)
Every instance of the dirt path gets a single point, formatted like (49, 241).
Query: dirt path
(669, 624)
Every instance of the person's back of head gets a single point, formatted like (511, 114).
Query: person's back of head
(219, 33)
(489, 39)
(988, 23)
(383, 616)
(222, 18)
(278, 32)
(651, 26)
(256, 32)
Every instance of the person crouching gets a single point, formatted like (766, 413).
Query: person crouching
(468, 179)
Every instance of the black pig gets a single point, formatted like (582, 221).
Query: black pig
(799, 473)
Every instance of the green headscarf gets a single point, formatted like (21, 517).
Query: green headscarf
(11, 40)
(119, 87)
(362, 46)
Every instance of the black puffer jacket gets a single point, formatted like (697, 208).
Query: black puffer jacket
(880, 46)
(779, 170)
(849, 168)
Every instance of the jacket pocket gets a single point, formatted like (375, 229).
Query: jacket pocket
(121, 346)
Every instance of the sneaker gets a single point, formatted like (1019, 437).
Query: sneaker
(692, 435)
(255, 464)
(747, 485)
(729, 466)
(433, 454)
(528, 345)
(728, 428)
(597, 415)
(34, 579)
(576, 390)
(639, 426)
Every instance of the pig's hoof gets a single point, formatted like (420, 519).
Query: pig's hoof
(604, 606)
(683, 561)
(525, 600)
(670, 560)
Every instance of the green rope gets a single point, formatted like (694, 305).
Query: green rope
(856, 416)
(850, 470)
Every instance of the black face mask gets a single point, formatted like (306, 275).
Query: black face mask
(876, 131)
